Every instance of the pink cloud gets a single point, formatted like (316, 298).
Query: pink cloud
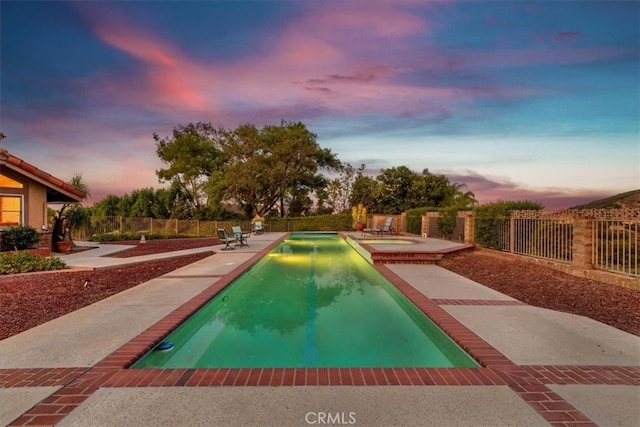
(490, 189)
(374, 19)
(566, 35)
(138, 45)
(165, 79)
(308, 49)
(486, 60)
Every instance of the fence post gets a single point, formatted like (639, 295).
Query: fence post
(402, 227)
(512, 233)
(469, 228)
(176, 225)
(424, 226)
(582, 244)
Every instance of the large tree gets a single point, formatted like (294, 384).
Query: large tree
(193, 155)
(266, 167)
(431, 190)
(398, 189)
(339, 190)
(395, 189)
(460, 199)
(107, 206)
(365, 190)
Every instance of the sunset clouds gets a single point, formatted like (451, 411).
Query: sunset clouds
(436, 85)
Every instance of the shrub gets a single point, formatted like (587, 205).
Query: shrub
(491, 220)
(24, 262)
(447, 221)
(19, 238)
(338, 222)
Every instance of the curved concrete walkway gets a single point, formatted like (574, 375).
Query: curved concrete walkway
(98, 257)
(542, 367)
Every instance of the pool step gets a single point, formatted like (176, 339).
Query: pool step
(414, 257)
(406, 257)
(405, 254)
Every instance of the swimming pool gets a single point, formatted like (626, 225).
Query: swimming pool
(313, 301)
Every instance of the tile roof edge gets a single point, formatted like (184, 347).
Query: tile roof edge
(54, 182)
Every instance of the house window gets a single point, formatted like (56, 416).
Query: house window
(10, 210)
(7, 182)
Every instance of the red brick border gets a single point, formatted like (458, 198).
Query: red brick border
(38, 377)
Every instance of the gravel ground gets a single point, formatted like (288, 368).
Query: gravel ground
(32, 299)
(162, 245)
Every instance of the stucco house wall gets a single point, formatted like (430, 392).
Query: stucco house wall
(36, 208)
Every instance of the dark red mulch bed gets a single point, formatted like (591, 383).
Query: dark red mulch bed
(29, 300)
(162, 245)
(544, 287)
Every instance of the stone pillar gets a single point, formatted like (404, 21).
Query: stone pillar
(45, 246)
(469, 229)
(402, 227)
(582, 244)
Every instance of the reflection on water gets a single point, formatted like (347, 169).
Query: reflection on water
(310, 302)
(288, 288)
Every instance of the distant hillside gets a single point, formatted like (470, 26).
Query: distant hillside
(628, 200)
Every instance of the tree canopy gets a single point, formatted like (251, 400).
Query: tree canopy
(266, 166)
(399, 189)
(193, 155)
(255, 170)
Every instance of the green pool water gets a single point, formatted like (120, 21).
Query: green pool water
(312, 301)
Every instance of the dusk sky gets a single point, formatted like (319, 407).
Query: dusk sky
(536, 100)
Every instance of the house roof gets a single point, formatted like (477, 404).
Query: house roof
(57, 189)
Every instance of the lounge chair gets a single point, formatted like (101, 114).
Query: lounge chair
(386, 228)
(257, 227)
(240, 235)
(225, 238)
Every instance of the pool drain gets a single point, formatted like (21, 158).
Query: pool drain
(164, 346)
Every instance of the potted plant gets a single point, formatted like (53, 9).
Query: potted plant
(63, 246)
(359, 216)
(67, 219)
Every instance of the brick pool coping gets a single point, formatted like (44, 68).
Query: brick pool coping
(529, 382)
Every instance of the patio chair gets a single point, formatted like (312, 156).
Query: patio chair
(240, 235)
(225, 238)
(257, 227)
(386, 228)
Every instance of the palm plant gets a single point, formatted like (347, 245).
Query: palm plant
(70, 215)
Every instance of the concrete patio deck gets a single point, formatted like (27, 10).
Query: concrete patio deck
(539, 367)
